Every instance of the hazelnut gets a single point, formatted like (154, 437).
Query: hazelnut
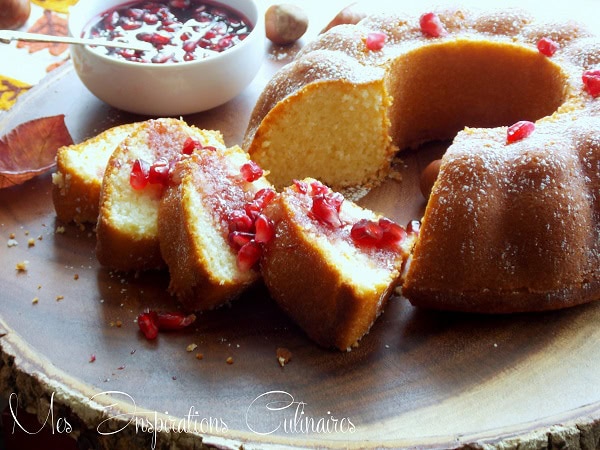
(285, 23)
(14, 13)
(428, 177)
(351, 14)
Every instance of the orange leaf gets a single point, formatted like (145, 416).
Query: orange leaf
(51, 24)
(30, 149)
(60, 6)
(10, 89)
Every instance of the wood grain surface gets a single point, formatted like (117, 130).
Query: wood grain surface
(420, 379)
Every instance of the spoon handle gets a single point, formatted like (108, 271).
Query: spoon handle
(6, 36)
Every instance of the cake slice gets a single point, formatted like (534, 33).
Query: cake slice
(80, 167)
(332, 265)
(127, 229)
(206, 226)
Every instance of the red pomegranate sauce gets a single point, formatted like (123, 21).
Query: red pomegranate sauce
(179, 30)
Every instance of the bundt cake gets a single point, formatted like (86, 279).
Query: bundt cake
(207, 225)
(133, 182)
(79, 170)
(512, 223)
(331, 265)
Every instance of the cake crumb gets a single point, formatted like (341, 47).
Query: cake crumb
(191, 348)
(76, 277)
(12, 242)
(35, 300)
(283, 356)
(59, 298)
(31, 242)
(21, 266)
(199, 356)
(229, 360)
(12, 236)
(118, 323)
(60, 230)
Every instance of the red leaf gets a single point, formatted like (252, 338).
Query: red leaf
(30, 149)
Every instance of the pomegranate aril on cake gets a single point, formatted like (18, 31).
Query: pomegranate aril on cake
(375, 41)
(547, 46)
(591, 81)
(431, 25)
(519, 131)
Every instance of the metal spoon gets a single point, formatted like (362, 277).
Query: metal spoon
(6, 36)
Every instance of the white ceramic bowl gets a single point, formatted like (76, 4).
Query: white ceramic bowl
(173, 88)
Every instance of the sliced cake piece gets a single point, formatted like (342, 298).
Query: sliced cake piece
(133, 182)
(332, 265)
(80, 167)
(210, 226)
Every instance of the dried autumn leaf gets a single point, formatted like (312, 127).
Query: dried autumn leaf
(51, 24)
(30, 149)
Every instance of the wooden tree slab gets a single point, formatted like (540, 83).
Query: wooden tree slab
(420, 379)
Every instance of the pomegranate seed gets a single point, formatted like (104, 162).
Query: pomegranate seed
(224, 43)
(547, 46)
(413, 227)
(252, 209)
(431, 25)
(111, 20)
(159, 172)
(134, 13)
(326, 208)
(366, 232)
(190, 145)
(211, 148)
(375, 40)
(169, 321)
(265, 229)
(148, 323)
(150, 19)
(140, 172)
(126, 53)
(160, 38)
(189, 46)
(264, 196)
(162, 58)
(180, 3)
(189, 57)
(144, 37)
(128, 24)
(301, 186)
(251, 171)
(519, 131)
(237, 239)
(240, 221)
(248, 255)
(318, 188)
(393, 234)
(591, 80)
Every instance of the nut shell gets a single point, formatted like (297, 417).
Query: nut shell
(285, 23)
(14, 13)
(428, 177)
